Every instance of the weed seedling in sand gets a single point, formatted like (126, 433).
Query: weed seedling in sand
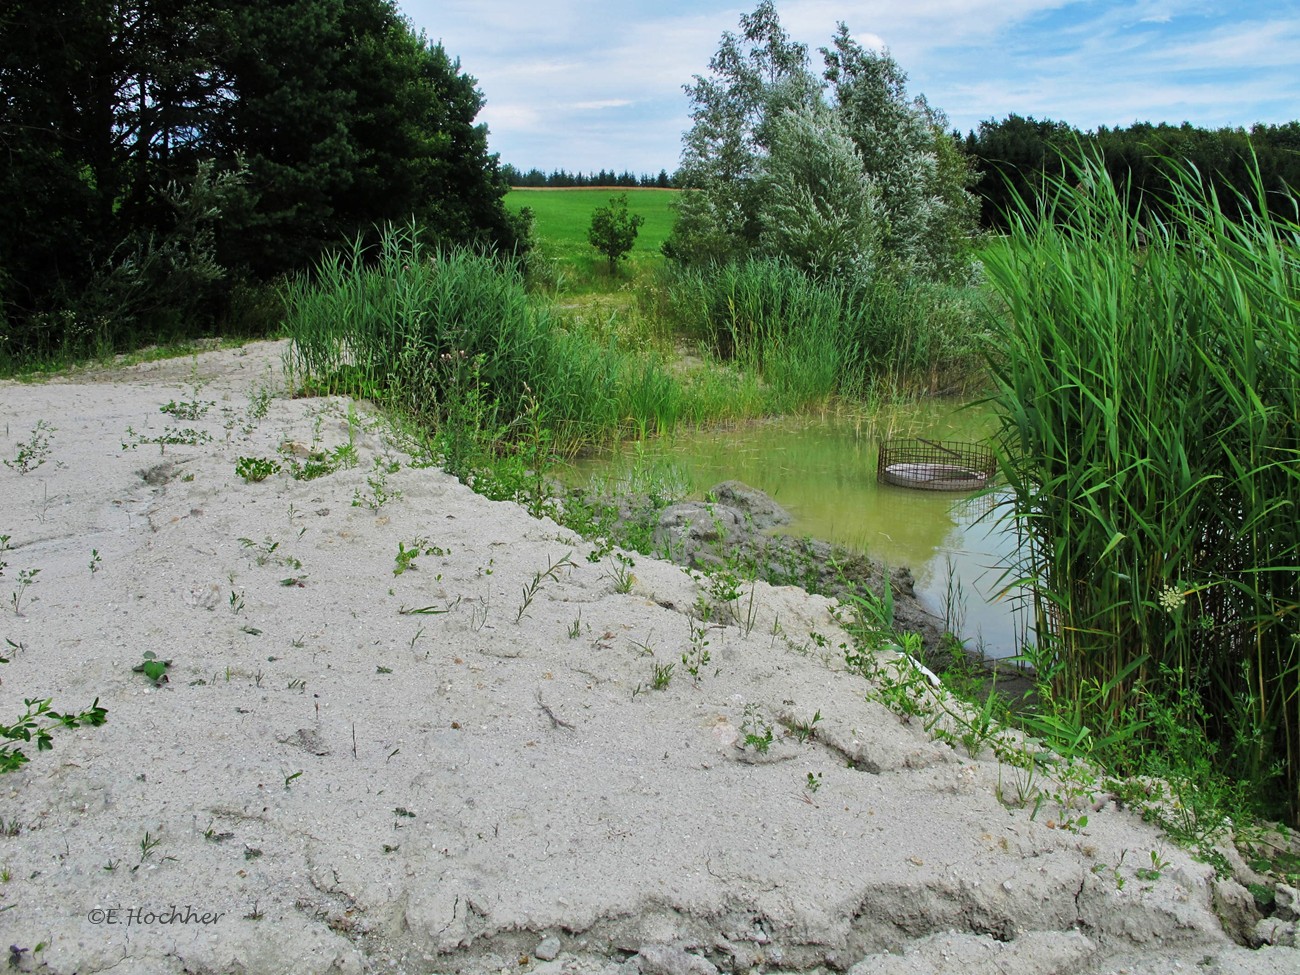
(1158, 866)
(758, 733)
(552, 571)
(1114, 871)
(806, 731)
(265, 552)
(212, 836)
(380, 494)
(153, 668)
(289, 778)
(33, 452)
(813, 783)
(405, 558)
(147, 846)
(254, 469)
(35, 724)
(25, 579)
(188, 410)
(661, 675)
(622, 575)
(236, 602)
(697, 657)
(95, 561)
(170, 437)
(575, 628)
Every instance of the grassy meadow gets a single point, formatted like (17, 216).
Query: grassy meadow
(562, 217)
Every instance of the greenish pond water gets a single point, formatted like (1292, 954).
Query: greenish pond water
(823, 471)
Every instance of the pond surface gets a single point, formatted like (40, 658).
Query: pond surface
(823, 471)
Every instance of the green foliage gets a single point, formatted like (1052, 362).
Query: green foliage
(34, 451)
(153, 668)
(452, 339)
(561, 219)
(165, 157)
(1144, 372)
(1016, 153)
(613, 230)
(810, 339)
(843, 176)
(253, 469)
(910, 158)
(35, 724)
(820, 210)
(756, 729)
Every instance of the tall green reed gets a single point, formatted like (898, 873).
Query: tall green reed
(810, 339)
(452, 337)
(1148, 375)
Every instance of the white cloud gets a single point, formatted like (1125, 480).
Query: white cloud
(591, 84)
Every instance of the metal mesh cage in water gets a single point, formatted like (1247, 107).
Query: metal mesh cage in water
(935, 465)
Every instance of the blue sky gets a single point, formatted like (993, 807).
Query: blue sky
(591, 84)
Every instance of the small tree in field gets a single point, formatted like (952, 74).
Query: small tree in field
(613, 230)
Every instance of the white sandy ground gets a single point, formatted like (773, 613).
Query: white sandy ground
(350, 789)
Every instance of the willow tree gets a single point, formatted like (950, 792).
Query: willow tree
(763, 115)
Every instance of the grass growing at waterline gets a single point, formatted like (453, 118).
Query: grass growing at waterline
(811, 339)
(1148, 373)
(453, 341)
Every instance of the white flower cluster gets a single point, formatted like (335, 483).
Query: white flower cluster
(1171, 600)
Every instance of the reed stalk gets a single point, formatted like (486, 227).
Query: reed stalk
(1147, 373)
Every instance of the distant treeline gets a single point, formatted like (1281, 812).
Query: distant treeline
(1013, 155)
(563, 178)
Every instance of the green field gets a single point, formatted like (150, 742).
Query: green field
(563, 216)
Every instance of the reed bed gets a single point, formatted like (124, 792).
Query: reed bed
(812, 339)
(454, 336)
(1147, 371)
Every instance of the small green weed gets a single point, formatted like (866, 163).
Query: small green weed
(697, 657)
(170, 437)
(254, 469)
(187, 410)
(405, 558)
(552, 571)
(1156, 869)
(34, 451)
(661, 675)
(264, 553)
(26, 578)
(380, 494)
(757, 731)
(805, 731)
(35, 725)
(153, 668)
(621, 573)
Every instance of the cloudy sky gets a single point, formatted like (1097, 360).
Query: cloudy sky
(597, 84)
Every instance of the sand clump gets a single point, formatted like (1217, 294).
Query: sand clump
(350, 769)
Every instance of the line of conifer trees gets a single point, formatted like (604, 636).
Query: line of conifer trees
(1014, 153)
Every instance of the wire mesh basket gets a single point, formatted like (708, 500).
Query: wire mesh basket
(935, 465)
